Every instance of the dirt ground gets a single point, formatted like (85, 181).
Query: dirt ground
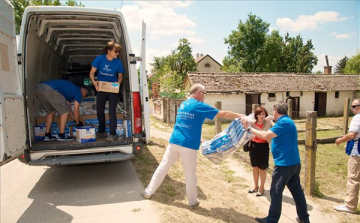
(320, 209)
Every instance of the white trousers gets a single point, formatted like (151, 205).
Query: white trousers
(189, 161)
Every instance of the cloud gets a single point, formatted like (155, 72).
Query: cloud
(156, 4)
(193, 40)
(161, 20)
(304, 22)
(340, 36)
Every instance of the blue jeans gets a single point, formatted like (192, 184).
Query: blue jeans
(286, 176)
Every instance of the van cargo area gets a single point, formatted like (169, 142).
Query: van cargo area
(61, 43)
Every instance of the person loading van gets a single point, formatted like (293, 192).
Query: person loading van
(110, 69)
(55, 96)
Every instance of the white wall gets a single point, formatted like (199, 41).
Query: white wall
(335, 106)
(307, 102)
(215, 67)
(232, 102)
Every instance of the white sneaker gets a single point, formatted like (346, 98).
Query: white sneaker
(145, 195)
(343, 208)
(194, 205)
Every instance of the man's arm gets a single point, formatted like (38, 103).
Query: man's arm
(229, 115)
(345, 138)
(267, 135)
(77, 112)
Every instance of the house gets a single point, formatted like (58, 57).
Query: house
(238, 91)
(207, 64)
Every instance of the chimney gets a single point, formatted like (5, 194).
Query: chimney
(327, 68)
(201, 55)
(197, 55)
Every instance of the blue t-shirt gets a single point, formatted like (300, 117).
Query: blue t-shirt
(69, 90)
(190, 117)
(284, 147)
(107, 70)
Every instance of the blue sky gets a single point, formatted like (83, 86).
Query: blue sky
(333, 26)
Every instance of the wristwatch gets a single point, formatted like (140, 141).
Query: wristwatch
(249, 128)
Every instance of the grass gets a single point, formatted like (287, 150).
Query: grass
(222, 195)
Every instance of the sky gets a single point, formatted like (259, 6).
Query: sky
(333, 26)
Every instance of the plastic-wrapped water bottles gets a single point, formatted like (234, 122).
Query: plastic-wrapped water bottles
(226, 142)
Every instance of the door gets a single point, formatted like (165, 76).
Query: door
(144, 90)
(295, 106)
(250, 100)
(320, 103)
(12, 119)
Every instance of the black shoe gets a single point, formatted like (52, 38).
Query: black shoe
(261, 220)
(63, 138)
(49, 137)
(298, 220)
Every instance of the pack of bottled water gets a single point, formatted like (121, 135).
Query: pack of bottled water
(226, 142)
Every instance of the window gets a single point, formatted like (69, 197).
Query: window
(207, 65)
(272, 97)
(287, 94)
(337, 94)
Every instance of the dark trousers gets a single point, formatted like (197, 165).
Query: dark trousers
(100, 109)
(286, 176)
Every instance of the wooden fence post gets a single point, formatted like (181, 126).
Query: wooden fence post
(168, 111)
(163, 110)
(346, 115)
(290, 109)
(310, 152)
(217, 119)
(254, 107)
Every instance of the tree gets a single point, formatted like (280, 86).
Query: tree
(172, 69)
(340, 66)
(353, 65)
(20, 5)
(246, 51)
(252, 49)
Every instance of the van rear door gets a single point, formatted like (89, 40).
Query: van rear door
(12, 119)
(144, 90)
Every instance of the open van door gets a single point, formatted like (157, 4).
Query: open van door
(12, 119)
(144, 90)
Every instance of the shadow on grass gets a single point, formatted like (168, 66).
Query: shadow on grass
(172, 192)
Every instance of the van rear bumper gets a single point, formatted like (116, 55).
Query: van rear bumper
(83, 159)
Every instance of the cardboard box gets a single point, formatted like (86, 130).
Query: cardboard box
(94, 117)
(109, 87)
(39, 132)
(85, 134)
(41, 119)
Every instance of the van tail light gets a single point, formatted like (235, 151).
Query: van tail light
(137, 113)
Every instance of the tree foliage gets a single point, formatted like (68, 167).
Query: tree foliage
(340, 66)
(171, 70)
(20, 5)
(353, 65)
(252, 49)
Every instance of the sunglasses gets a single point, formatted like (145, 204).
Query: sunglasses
(354, 106)
(115, 51)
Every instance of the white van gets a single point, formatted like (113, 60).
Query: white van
(60, 43)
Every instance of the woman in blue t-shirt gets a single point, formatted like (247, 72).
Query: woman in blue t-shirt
(110, 69)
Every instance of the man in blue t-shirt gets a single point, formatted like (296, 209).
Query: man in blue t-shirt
(285, 151)
(185, 141)
(55, 96)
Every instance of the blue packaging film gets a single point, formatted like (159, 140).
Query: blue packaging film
(226, 142)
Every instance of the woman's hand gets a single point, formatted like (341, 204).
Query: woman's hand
(96, 85)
